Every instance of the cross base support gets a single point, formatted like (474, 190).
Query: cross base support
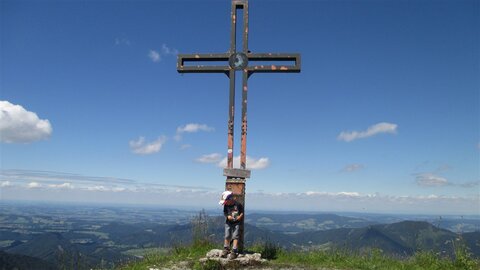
(236, 173)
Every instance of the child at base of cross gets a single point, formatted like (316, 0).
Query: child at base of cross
(233, 212)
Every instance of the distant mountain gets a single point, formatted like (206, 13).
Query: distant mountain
(397, 239)
(295, 223)
(23, 262)
(400, 239)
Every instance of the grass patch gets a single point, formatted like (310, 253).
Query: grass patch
(269, 250)
(145, 251)
(188, 255)
(373, 260)
(339, 259)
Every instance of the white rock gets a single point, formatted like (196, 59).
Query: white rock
(214, 253)
(242, 259)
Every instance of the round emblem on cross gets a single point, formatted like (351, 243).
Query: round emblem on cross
(238, 61)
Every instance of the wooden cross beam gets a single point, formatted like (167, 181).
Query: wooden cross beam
(238, 61)
(247, 63)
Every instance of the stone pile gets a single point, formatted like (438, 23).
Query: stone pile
(243, 260)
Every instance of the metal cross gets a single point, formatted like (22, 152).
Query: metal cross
(248, 63)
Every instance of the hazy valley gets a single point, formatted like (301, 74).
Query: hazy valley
(88, 236)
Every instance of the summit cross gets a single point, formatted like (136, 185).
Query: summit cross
(247, 63)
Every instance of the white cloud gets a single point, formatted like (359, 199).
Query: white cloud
(17, 125)
(349, 136)
(103, 188)
(34, 185)
(348, 194)
(191, 128)
(430, 180)
(48, 181)
(5, 184)
(210, 158)
(98, 188)
(61, 186)
(352, 168)
(168, 51)
(335, 194)
(57, 177)
(143, 148)
(194, 127)
(257, 164)
(358, 202)
(154, 56)
(252, 163)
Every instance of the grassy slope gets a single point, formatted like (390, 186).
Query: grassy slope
(189, 256)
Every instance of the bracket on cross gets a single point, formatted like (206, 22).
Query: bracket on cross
(236, 173)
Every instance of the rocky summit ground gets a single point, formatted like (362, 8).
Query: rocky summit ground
(243, 261)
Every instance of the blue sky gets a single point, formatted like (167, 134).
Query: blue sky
(384, 116)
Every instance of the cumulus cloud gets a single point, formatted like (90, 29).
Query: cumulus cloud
(210, 158)
(252, 163)
(430, 180)
(17, 125)
(379, 128)
(348, 194)
(194, 127)
(191, 128)
(61, 186)
(5, 184)
(352, 168)
(154, 56)
(142, 147)
(98, 188)
(34, 185)
(257, 164)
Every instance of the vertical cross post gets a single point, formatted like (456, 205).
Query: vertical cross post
(241, 61)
